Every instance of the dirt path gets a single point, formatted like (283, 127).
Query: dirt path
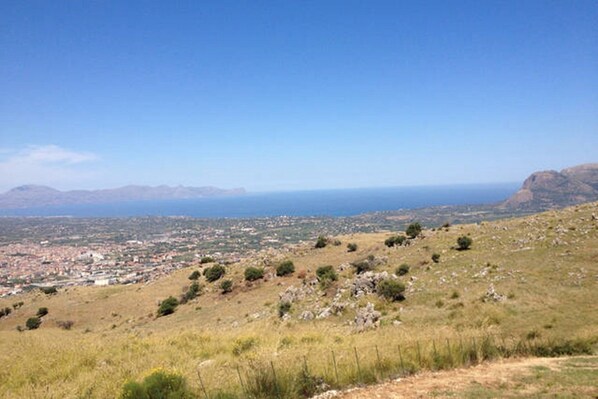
(489, 376)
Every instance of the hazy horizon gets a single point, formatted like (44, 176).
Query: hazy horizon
(295, 96)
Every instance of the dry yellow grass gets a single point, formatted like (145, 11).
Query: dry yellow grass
(547, 264)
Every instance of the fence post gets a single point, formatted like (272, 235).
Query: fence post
(203, 388)
(436, 360)
(275, 380)
(241, 380)
(401, 359)
(448, 346)
(335, 368)
(357, 362)
(475, 349)
(462, 352)
(378, 358)
(419, 355)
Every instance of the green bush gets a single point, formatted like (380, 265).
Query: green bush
(326, 274)
(5, 312)
(285, 268)
(49, 290)
(402, 270)
(33, 322)
(214, 273)
(168, 306)
(17, 305)
(321, 242)
(464, 243)
(395, 240)
(284, 308)
(195, 275)
(435, 258)
(391, 289)
(158, 385)
(364, 265)
(254, 273)
(226, 286)
(41, 312)
(351, 247)
(193, 292)
(413, 230)
(206, 259)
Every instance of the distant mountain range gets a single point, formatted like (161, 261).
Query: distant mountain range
(552, 189)
(29, 196)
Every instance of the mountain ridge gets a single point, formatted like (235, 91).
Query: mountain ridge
(39, 195)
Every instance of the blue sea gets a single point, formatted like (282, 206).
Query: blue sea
(342, 202)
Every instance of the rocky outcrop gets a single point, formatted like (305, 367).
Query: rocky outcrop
(549, 189)
(366, 283)
(367, 318)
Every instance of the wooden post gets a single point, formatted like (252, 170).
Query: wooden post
(378, 358)
(448, 346)
(401, 359)
(419, 355)
(335, 368)
(241, 380)
(357, 362)
(275, 380)
(203, 388)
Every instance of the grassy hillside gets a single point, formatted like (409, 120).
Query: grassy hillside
(544, 269)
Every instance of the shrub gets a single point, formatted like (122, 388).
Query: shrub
(214, 273)
(435, 258)
(285, 268)
(66, 324)
(364, 265)
(391, 289)
(336, 242)
(195, 275)
(413, 230)
(283, 308)
(193, 292)
(351, 247)
(168, 306)
(395, 240)
(254, 273)
(49, 290)
(159, 384)
(206, 259)
(226, 286)
(242, 345)
(464, 243)
(402, 270)
(326, 275)
(41, 312)
(33, 322)
(321, 242)
(17, 305)
(5, 312)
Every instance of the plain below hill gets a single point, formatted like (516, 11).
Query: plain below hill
(552, 189)
(38, 196)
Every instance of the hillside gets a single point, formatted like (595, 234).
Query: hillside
(530, 280)
(38, 196)
(552, 189)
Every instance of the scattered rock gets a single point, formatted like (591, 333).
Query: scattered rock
(493, 296)
(367, 318)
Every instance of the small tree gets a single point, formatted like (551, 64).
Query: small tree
(463, 243)
(413, 230)
(214, 273)
(285, 268)
(41, 312)
(206, 259)
(195, 275)
(351, 247)
(391, 289)
(193, 292)
(49, 290)
(402, 270)
(254, 273)
(168, 306)
(395, 240)
(321, 242)
(226, 286)
(33, 323)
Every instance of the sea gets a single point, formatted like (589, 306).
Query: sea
(339, 202)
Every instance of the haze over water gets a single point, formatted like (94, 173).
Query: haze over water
(345, 202)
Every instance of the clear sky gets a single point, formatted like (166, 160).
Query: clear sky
(287, 95)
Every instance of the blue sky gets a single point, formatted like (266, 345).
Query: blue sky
(287, 95)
